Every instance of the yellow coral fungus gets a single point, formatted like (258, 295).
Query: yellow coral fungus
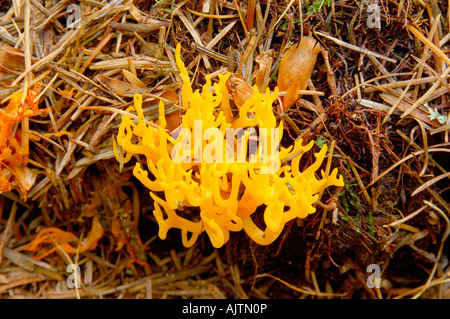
(63, 238)
(214, 172)
(14, 172)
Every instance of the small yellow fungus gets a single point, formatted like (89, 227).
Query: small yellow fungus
(218, 174)
(14, 173)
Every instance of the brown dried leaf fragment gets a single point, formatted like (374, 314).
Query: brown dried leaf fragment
(264, 61)
(296, 68)
(11, 59)
(240, 89)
